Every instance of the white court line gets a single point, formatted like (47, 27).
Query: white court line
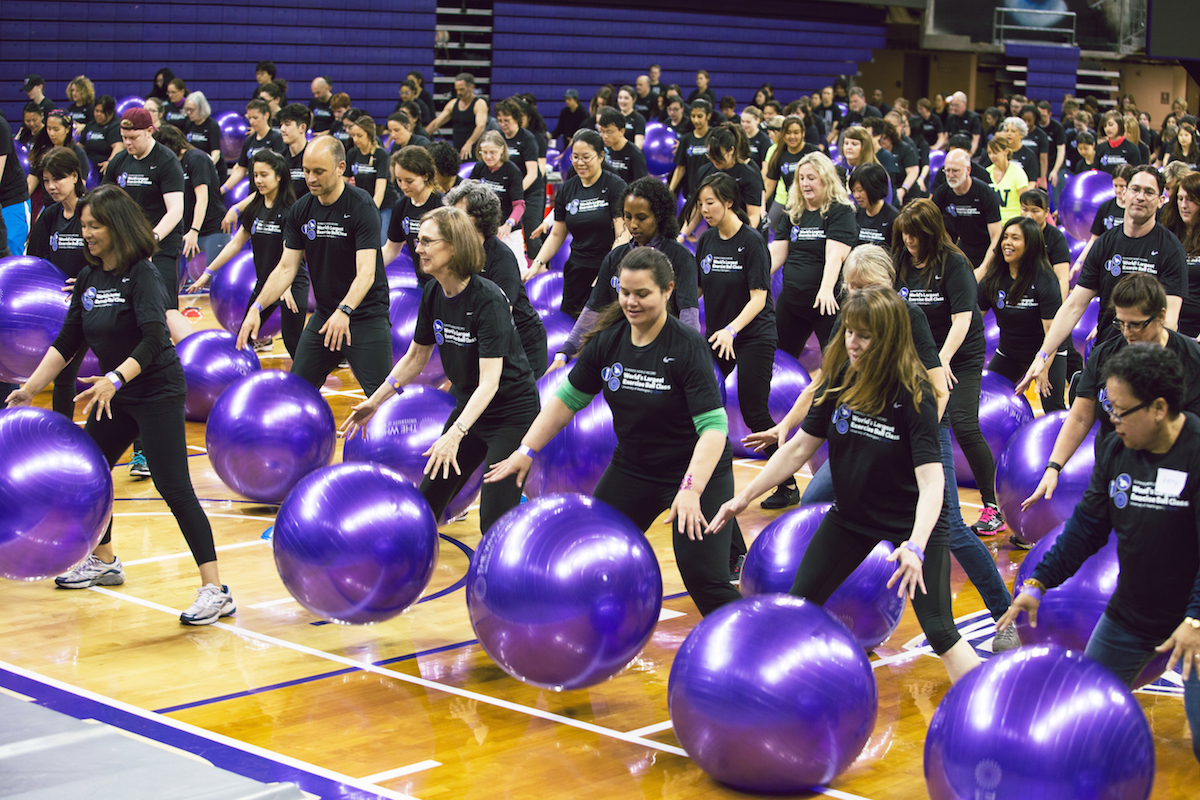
(195, 447)
(657, 727)
(169, 556)
(399, 772)
(245, 747)
(667, 613)
(366, 666)
(281, 601)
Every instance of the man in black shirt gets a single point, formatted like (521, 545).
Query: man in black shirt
(962, 120)
(622, 155)
(322, 92)
(467, 114)
(1058, 141)
(1145, 490)
(858, 109)
(570, 118)
(928, 125)
(335, 230)
(645, 102)
(970, 210)
(34, 87)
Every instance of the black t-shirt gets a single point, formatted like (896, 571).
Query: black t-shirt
(174, 115)
(1092, 381)
(1110, 215)
(969, 123)
(522, 148)
(330, 237)
(628, 163)
(205, 137)
(500, 267)
(1057, 135)
(927, 350)
(927, 129)
(506, 183)
(760, 143)
(1189, 315)
(1057, 249)
(654, 391)
(1114, 254)
(1020, 321)
(253, 144)
(588, 212)
(13, 188)
(852, 118)
(785, 170)
(109, 312)
(748, 180)
(904, 156)
(97, 140)
(805, 265)
(1028, 159)
(148, 181)
(1150, 501)
(80, 115)
(729, 270)
(691, 154)
(1037, 141)
(646, 106)
(977, 172)
(635, 125)
(605, 289)
(475, 324)
(940, 296)
(831, 115)
(1108, 158)
(322, 115)
(296, 171)
(873, 461)
(266, 237)
(406, 223)
(368, 169)
(198, 170)
(967, 216)
(58, 240)
(876, 229)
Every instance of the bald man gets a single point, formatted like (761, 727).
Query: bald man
(962, 120)
(970, 210)
(322, 92)
(335, 230)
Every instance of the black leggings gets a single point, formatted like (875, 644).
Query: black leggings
(836, 551)
(755, 359)
(62, 399)
(161, 427)
(796, 320)
(291, 323)
(962, 411)
(369, 353)
(703, 565)
(490, 443)
(533, 342)
(577, 286)
(1014, 369)
(168, 272)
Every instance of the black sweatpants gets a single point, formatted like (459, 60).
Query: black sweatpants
(291, 323)
(62, 398)
(535, 212)
(488, 442)
(168, 272)
(577, 286)
(963, 412)
(1014, 369)
(835, 551)
(534, 343)
(369, 353)
(160, 425)
(796, 320)
(703, 565)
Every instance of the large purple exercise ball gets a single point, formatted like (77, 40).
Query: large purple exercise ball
(56, 490)
(1002, 413)
(545, 292)
(403, 307)
(772, 695)
(788, 380)
(575, 459)
(359, 573)
(266, 432)
(231, 291)
(211, 362)
(33, 307)
(1081, 199)
(659, 149)
(564, 592)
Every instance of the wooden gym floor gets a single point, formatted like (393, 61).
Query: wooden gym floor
(413, 707)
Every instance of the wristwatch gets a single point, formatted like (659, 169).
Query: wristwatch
(1195, 623)
(461, 427)
(345, 309)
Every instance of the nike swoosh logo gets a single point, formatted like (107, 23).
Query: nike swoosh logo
(896, 405)
(668, 360)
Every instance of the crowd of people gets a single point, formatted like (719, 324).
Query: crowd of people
(889, 265)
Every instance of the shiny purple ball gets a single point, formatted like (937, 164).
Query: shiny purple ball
(1081, 199)
(33, 307)
(211, 362)
(231, 291)
(1001, 414)
(575, 459)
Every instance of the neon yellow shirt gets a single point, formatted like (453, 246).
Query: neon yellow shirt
(1009, 189)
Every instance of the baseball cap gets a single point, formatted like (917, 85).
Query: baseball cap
(136, 119)
(572, 93)
(32, 81)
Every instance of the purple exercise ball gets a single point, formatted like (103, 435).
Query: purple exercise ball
(196, 266)
(863, 603)
(659, 149)
(545, 292)
(401, 274)
(1081, 199)
(211, 362)
(991, 336)
(126, 103)
(233, 134)
(404, 427)
(230, 293)
(1039, 722)
(33, 307)
(1001, 414)
(1020, 467)
(558, 261)
(771, 694)
(564, 592)
(1083, 328)
(266, 432)
(575, 459)
(403, 308)
(558, 327)
(359, 573)
(56, 490)
(1069, 612)
(937, 159)
(238, 193)
(90, 368)
(464, 169)
(788, 380)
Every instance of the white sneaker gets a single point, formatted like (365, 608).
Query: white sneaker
(1006, 640)
(93, 572)
(212, 602)
(264, 345)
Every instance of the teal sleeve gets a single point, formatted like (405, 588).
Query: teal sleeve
(573, 398)
(714, 420)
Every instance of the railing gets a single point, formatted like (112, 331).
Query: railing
(1012, 25)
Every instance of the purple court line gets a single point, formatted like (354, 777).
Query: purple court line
(224, 752)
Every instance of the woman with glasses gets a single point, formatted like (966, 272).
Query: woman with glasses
(588, 206)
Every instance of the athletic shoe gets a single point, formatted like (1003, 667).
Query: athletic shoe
(1017, 541)
(137, 466)
(1006, 640)
(212, 603)
(783, 497)
(735, 569)
(264, 345)
(990, 522)
(461, 517)
(92, 572)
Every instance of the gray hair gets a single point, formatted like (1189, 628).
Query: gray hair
(1017, 124)
(483, 206)
(201, 102)
(868, 265)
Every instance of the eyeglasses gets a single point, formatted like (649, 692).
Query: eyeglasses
(427, 242)
(582, 159)
(1135, 191)
(1117, 416)
(1132, 327)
